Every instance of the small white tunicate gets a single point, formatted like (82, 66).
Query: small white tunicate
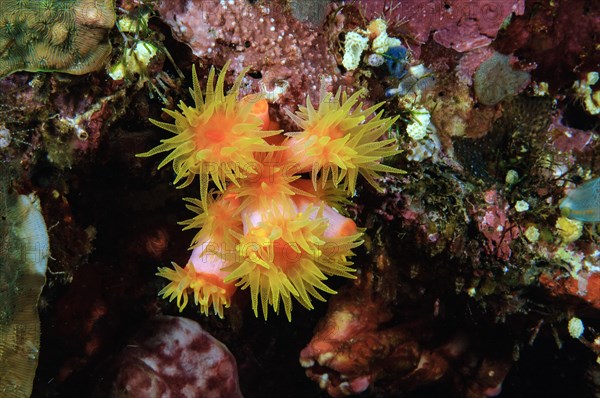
(354, 46)
(81, 134)
(279, 88)
(512, 177)
(375, 60)
(576, 327)
(5, 137)
(521, 206)
(417, 128)
(532, 234)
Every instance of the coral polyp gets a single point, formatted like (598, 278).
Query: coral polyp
(202, 276)
(285, 256)
(272, 182)
(220, 217)
(214, 139)
(340, 140)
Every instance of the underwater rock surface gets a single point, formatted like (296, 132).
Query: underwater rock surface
(174, 357)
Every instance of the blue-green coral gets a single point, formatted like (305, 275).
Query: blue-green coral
(583, 203)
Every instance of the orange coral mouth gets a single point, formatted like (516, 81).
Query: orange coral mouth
(216, 130)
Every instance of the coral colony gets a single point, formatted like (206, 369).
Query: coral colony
(274, 222)
(63, 35)
(429, 168)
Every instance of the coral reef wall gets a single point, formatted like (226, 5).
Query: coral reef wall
(433, 168)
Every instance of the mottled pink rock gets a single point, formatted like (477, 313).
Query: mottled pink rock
(583, 286)
(560, 36)
(350, 348)
(263, 36)
(459, 24)
(494, 224)
(568, 139)
(359, 345)
(174, 357)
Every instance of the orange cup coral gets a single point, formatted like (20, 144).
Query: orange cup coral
(340, 140)
(267, 228)
(203, 277)
(217, 137)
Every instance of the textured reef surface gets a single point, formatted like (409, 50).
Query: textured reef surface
(291, 198)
